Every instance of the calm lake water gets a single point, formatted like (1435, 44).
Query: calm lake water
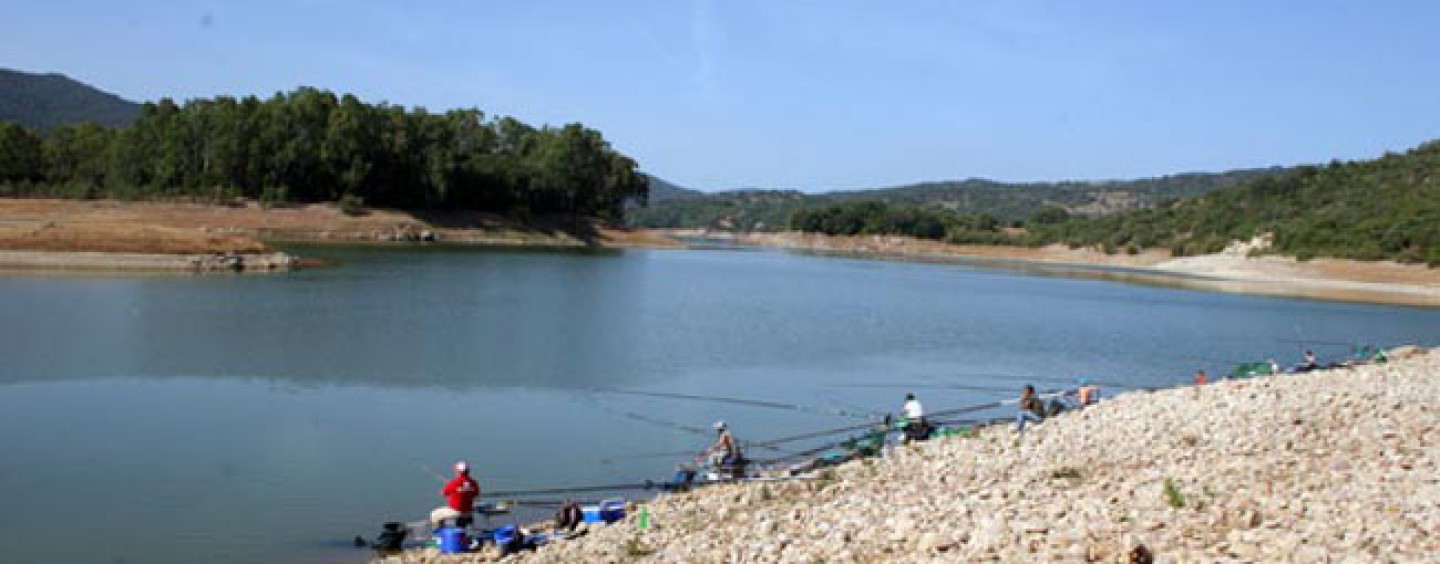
(273, 418)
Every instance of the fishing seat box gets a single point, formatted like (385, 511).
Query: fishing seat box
(608, 511)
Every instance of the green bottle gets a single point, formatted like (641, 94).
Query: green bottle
(644, 520)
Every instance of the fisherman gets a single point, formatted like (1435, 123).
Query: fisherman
(1030, 409)
(460, 493)
(916, 428)
(1310, 362)
(1200, 378)
(568, 516)
(1084, 393)
(1089, 391)
(725, 452)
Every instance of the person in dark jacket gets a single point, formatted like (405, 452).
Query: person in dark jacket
(1030, 409)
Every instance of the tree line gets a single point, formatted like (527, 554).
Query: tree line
(769, 210)
(1386, 208)
(311, 146)
(880, 218)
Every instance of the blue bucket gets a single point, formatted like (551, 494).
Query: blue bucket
(452, 540)
(505, 535)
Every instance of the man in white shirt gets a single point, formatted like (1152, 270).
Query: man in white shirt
(916, 429)
(912, 408)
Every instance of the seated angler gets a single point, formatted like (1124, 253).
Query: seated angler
(725, 453)
(916, 428)
(1030, 409)
(1089, 392)
(460, 493)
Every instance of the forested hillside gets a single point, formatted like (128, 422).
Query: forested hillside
(312, 146)
(771, 210)
(1387, 208)
(45, 101)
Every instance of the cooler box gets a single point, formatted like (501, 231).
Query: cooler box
(505, 535)
(608, 511)
(452, 540)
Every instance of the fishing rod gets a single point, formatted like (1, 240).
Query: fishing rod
(842, 444)
(852, 428)
(927, 386)
(677, 425)
(736, 401)
(940, 413)
(672, 453)
(1036, 378)
(646, 485)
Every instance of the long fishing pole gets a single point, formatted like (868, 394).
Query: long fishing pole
(735, 401)
(1037, 378)
(669, 454)
(926, 386)
(851, 428)
(673, 425)
(646, 485)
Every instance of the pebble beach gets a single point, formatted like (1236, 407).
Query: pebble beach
(1338, 465)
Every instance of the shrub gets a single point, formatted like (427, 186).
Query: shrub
(1173, 495)
(351, 204)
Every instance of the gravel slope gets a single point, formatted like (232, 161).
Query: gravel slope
(1334, 466)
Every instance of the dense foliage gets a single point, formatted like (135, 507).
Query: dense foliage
(879, 218)
(770, 209)
(45, 101)
(310, 146)
(746, 210)
(1387, 208)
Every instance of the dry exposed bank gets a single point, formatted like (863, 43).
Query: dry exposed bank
(1229, 271)
(75, 234)
(1334, 466)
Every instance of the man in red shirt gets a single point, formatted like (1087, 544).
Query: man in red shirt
(460, 494)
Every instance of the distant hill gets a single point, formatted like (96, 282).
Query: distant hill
(764, 210)
(1385, 208)
(45, 101)
(663, 190)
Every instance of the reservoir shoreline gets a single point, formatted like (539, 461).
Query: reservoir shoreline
(1334, 465)
(58, 236)
(1379, 282)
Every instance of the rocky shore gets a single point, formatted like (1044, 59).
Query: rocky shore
(1233, 270)
(1332, 466)
(47, 261)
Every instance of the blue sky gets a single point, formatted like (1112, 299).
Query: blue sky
(819, 95)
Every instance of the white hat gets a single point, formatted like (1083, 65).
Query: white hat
(462, 466)
(719, 425)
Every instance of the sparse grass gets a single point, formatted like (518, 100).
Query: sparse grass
(1173, 495)
(634, 548)
(1066, 473)
(825, 479)
(765, 494)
